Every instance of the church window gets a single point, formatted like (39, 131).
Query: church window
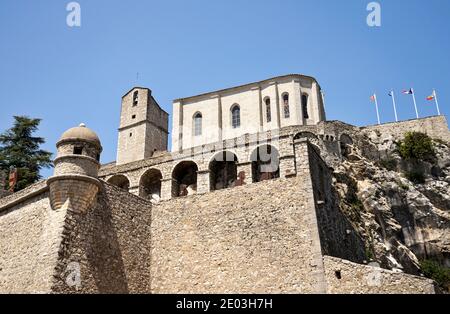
(135, 98)
(305, 106)
(236, 116)
(268, 112)
(198, 124)
(286, 111)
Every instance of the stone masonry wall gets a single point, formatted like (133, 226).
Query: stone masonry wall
(110, 245)
(435, 127)
(256, 238)
(346, 277)
(338, 237)
(30, 239)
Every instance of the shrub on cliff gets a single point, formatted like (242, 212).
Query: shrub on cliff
(417, 146)
(437, 272)
(415, 176)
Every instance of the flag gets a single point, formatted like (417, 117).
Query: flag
(12, 179)
(372, 98)
(431, 97)
(408, 92)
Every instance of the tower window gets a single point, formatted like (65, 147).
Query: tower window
(97, 157)
(235, 116)
(131, 134)
(198, 124)
(133, 116)
(77, 150)
(305, 106)
(286, 111)
(268, 112)
(135, 98)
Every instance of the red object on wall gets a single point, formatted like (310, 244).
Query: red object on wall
(12, 179)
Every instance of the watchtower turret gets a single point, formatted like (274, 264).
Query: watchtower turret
(75, 181)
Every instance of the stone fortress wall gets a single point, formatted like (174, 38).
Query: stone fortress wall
(276, 236)
(107, 248)
(246, 225)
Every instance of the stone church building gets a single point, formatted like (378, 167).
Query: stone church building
(242, 203)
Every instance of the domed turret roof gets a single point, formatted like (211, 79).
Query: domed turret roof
(82, 133)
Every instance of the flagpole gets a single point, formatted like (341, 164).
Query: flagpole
(393, 103)
(376, 105)
(436, 101)
(415, 105)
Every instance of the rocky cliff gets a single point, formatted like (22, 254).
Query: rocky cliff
(400, 207)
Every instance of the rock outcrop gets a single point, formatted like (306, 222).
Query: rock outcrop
(402, 222)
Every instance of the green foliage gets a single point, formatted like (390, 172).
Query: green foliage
(352, 197)
(19, 149)
(403, 186)
(417, 146)
(416, 177)
(388, 163)
(433, 270)
(369, 254)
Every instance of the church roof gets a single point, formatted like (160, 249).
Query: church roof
(250, 85)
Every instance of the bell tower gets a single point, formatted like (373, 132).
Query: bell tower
(143, 126)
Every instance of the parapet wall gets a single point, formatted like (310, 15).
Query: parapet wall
(435, 127)
(346, 277)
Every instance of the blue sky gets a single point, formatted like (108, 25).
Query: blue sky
(180, 48)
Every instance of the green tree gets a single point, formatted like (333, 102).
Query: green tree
(417, 146)
(21, 150)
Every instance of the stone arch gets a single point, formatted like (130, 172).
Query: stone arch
(265, 161)
(120, 181)
(150, 184)
(311, 137)
(184, 177)
(223, 170)
(345, 143)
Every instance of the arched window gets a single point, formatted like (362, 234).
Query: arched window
(223, 170)
(120, 181)
(286, 111)
(265, 163)
(150, 184)
(185, 178)
(268, 112)
(305, 106)
(198, 124)
(235, 116)
(135, 98)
